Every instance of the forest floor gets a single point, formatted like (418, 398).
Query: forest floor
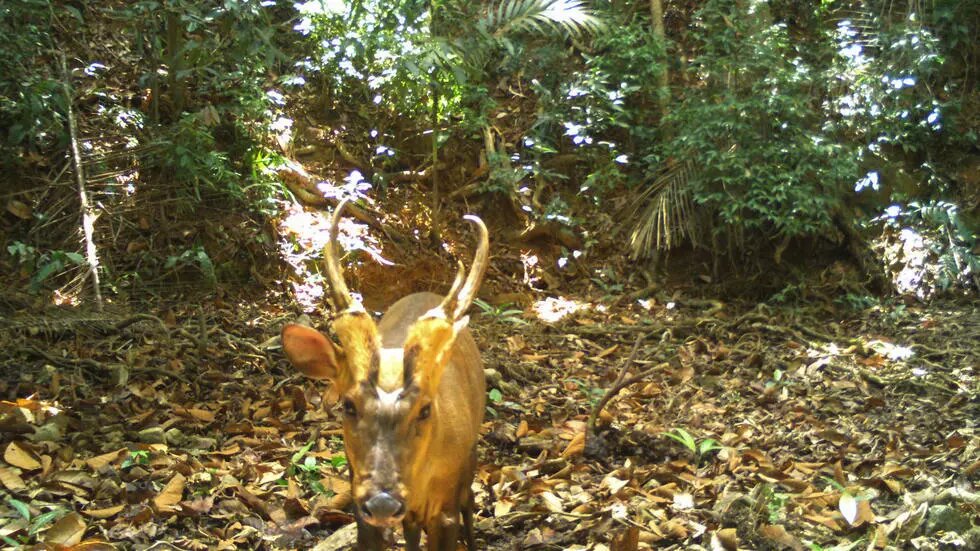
(798, 423)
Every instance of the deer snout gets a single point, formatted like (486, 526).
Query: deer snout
(383, 509)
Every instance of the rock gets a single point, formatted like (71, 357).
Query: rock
(343, 538)
(152, 435)
(946, 518)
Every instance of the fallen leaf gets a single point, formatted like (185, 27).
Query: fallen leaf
(614, 484)
(11, 479)
(848, 507)
(171, 494)
(778, 534)
(674, 529)
(725, 539)
(99, 461)
(627, 540)
(552, 502)
(19, 209)
(69, 530)
(201, 414)
(106, 512)
(18, 455)
(501, 507)
(576, 446)
(522, 429)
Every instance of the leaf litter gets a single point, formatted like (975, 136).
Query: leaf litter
(743, 426)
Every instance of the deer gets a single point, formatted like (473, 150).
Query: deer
(413, 396)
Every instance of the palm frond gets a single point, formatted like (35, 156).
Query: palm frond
(666, 213)
(571, 17)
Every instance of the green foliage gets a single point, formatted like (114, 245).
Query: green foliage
(32, 98)
(187, 152)
(195, 257)
(35, 524)
(306, 468)
(43, 265)
(136, 457)
(494, 395)
(769, 160)
(502, 313)
(699, 449)
(775, 503)
(936, 244)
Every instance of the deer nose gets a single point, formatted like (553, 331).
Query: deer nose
(383, 506)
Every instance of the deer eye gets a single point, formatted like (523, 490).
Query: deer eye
(425, 412)
(350, 409)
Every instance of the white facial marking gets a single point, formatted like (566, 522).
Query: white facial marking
(389, 398)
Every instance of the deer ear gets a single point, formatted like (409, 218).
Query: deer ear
(428, 347)
(312, 353)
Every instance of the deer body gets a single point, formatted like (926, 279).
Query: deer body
(413, 394)
(442, 478)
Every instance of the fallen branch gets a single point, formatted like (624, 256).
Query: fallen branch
(621, 382)
(88, 211)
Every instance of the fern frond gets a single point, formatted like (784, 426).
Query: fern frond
(666, 214)
(571, 17)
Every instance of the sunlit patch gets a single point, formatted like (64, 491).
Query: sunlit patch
(305, 235)
(892, 351)
(554, 309)
(62, 297)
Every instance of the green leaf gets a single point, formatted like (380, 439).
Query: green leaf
(21, 508)
(45, 519)
(495, 395)
(302, 451)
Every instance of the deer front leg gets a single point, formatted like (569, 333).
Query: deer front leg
(369, 538)
(413, 535)
(443, 533)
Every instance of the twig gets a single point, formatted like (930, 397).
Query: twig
(620, 383)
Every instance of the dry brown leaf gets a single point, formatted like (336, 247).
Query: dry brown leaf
(19, 455)
(199, 506)
(575, 447)
(19, 209)
(201, 414)
(607, 351)
(171, 494)
(614, 484)
(725, 539)
(234, 449)
(829, 522)
(502, 506)
(69, 530)
(778, 534)
(552, 502)
(516, 344)
(627, 540)
(99, 461)
(94, 545)
(11, 479)
(106, 512)
(675, 529)
(522, 429)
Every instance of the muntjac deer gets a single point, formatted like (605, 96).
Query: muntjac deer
(413, 394)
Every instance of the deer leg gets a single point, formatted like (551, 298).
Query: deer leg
(369, 538)
(468, 506)
(443, 536)
(413, 535)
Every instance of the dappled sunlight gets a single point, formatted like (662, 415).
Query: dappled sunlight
(891, 351)
(554, 309)
(305, 234)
